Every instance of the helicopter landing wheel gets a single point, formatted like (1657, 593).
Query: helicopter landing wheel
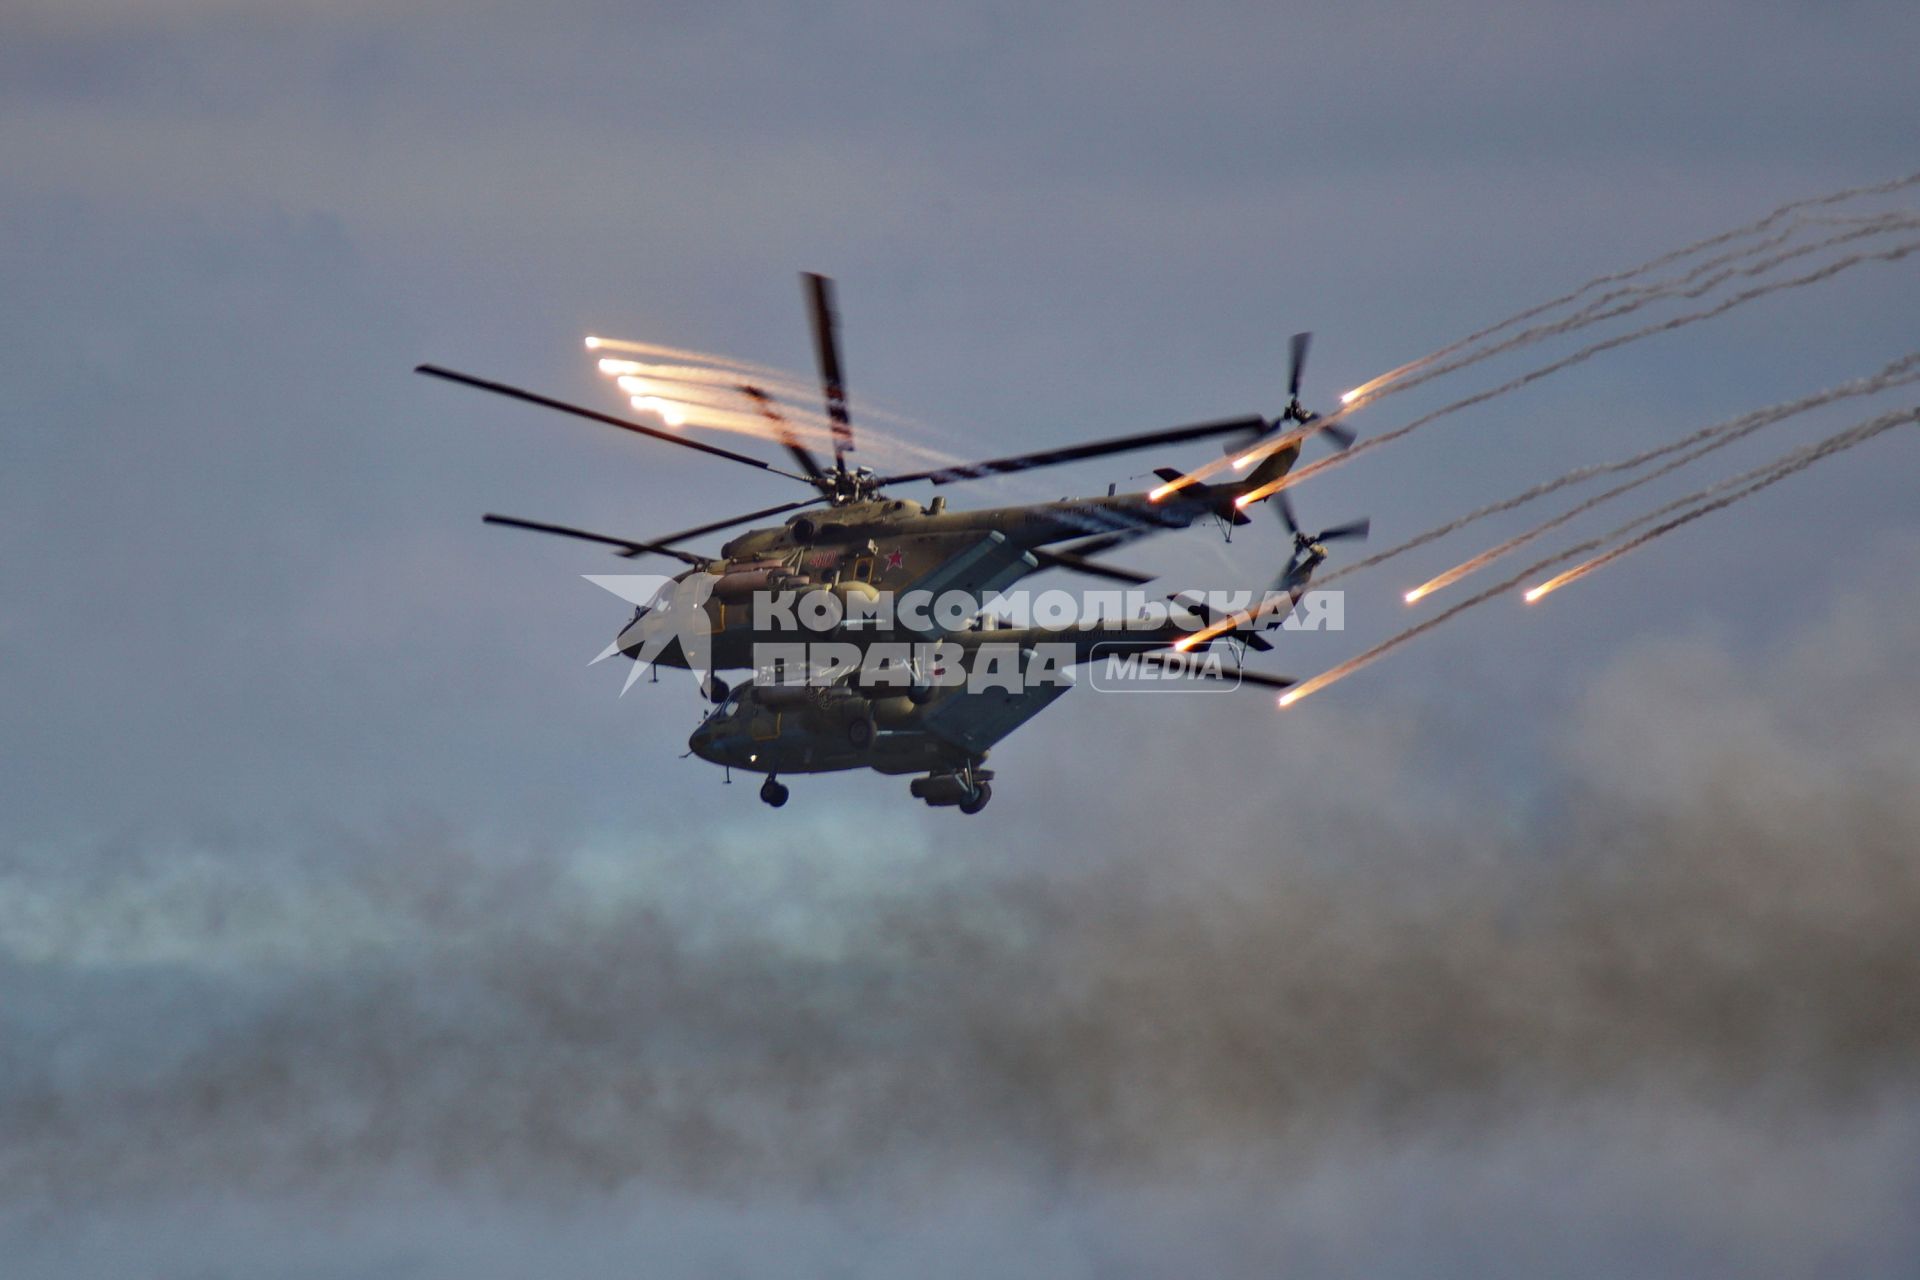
(860, 733)
(982, 792)
(773, 792)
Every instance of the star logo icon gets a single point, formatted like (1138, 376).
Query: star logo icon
(668, 610)
(895, 558)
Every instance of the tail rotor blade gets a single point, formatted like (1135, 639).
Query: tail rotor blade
(1357, 529)
(1284, 505)
(1341, 435)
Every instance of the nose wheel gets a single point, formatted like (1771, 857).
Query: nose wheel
(773, 792)
(982, 792)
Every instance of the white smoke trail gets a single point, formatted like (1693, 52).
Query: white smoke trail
(721, 389)
(1781, 470)
(1689, 285)
(792, 389)
(1665, 259)
(1584, 354)
(1476, 563)
(1743, 485)
(1897, 373)
(692, 397)
(1640, 296)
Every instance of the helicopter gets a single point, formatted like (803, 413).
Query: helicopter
(772, 725)
(866, 541)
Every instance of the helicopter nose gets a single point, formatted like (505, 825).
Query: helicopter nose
(634, 635)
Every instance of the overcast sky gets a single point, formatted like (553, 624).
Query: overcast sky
(347, 912)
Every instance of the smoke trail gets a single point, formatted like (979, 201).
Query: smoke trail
(1391, 380)
(1598, 305)
(1642, 296)
(1397, 380)
(1364, 393)
(720, 389)
(1586, 353)
(1768, 474)
(730, 409)
(709, 377)
(713, 397)
(727, 398)
(1654, 264)
(1857, 225)
(804, 399)
(1826, 449)
(694, 413)
(1638, 296)
(690, 359)
(722, 370)
(1492, 554)
(1898, 373)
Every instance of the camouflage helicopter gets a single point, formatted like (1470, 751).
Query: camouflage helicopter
(866, 541)
(769, 726)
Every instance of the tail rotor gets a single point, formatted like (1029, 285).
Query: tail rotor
(1309, 549)
(1295, 412)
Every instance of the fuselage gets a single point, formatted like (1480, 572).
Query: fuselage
(889, 544)
(802, 730)
(896, 521)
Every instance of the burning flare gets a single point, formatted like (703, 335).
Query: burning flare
(1553, 583)
(674, 415)
(1704, 503)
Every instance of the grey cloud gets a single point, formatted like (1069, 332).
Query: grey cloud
(1705, 921)
(346, 911)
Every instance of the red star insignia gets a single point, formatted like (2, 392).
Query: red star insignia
(894, 559)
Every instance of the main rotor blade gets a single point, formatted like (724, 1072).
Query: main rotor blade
(1077, 452)
(826, 345)
(718, 525)
(659, 546)
(1103, 542)
(628, 547)
(501, 388)
(801, 454)
(1080, 564)
(1261, 678)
